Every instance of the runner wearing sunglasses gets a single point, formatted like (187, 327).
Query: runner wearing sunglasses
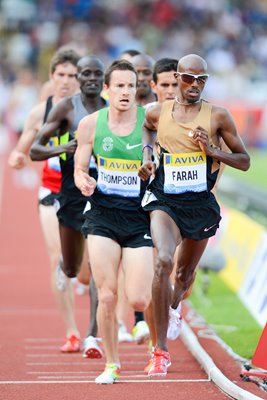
(183, 210)
(191, 78)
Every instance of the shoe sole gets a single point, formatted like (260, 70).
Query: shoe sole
(92, 353)
(146, 370)
(106, 383)
(70, 351)
(155, 374)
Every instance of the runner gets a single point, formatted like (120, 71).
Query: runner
(117, 228)
(165, 87)
(63, 72)
(143, 63)
(62, 122)
(183, 210)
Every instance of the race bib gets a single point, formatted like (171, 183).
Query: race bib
(185, 172)
(118, 177)
(54, 163)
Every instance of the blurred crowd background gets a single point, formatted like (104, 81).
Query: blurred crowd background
(230, 34)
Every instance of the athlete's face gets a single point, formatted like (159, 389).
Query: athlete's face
(144, 71)
(191, 82)
(166, 87)
(91, 77)
(64, 80)
(122, 89)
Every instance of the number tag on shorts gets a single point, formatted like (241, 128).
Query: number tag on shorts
(148, 198)
(87, 207)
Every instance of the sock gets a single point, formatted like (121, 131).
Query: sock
(139, 316)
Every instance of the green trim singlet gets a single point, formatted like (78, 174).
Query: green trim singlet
(118, 160)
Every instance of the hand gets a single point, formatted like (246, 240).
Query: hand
(17, 159)
(147, 169)
(85, 183)
(71, 146)
(202, 137)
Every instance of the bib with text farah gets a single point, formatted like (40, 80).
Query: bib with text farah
(185, 172)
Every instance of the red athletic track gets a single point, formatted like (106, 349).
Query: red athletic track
(31, 332)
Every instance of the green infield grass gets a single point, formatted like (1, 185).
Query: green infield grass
(220, 306)
(256, 175)
(225, 313)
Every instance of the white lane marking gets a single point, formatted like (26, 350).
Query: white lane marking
(121, 380)
(78, 355)
(79, 363)
(22, 312)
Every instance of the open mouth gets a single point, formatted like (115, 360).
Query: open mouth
(92, 85)
(124, 101)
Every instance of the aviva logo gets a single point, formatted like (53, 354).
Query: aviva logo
(184, 159)
(53, 141)
(114, 164)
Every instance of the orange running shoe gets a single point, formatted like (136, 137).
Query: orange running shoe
(71, 345)
(149, 365)
(160, 362)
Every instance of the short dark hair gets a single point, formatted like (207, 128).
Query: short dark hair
(131, 52)
(119, 65)
(164, 65)
(63, 56)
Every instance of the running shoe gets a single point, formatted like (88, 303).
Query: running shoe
(71, 345)
(141, 332)
(79, 288)
(110, 374)
(61, 279)
(175, 323)
(91, 348)
(123, 335)
(160, 362)
(149, 365)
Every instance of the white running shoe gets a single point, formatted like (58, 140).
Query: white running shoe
(175, 323)
(123, 335)
(141, 332)
(110, 374)
(91, 348)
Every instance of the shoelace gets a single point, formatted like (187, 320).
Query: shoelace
(175, 317)
(159, 359)
(112, 370)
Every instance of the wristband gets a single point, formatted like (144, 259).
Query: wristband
(149, 146)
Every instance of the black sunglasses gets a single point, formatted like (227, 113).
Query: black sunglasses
(190, 78)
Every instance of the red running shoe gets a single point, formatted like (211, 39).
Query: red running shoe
(160, 362)
(71, 345)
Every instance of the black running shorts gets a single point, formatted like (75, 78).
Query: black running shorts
(127, 228)
(196, 219)
(70, 211)
(48, 199)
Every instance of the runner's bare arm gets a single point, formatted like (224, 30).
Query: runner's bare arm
(223, 124)
(150, 126)
(85, 137)
(19, 156)
(58, 122)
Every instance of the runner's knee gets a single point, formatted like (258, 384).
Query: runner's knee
(70, 267)
(164, 263)
(140, 303)
(107, 298)
(185, 277)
